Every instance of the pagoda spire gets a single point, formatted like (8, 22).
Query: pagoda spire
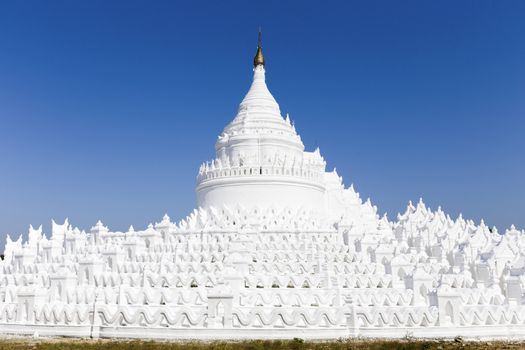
(258, 60)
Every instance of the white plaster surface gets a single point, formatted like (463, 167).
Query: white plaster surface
(277, 248)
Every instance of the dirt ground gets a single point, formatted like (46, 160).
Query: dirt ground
(296, 344)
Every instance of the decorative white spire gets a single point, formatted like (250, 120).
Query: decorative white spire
(259, 95)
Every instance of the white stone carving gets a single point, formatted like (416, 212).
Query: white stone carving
(277, 248)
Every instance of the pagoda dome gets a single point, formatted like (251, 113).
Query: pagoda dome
(259, 131)
(260, 158)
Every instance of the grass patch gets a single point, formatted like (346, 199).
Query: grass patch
(296, 344)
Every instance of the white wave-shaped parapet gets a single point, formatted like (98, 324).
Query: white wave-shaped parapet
(276, 244)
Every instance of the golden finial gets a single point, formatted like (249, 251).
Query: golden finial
(259, 58)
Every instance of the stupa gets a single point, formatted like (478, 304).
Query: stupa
(278, 247)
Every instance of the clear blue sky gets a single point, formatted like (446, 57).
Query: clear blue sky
(107, 108)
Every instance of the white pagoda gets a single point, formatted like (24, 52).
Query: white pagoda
(277, 248)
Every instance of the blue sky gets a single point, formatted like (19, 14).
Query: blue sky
(107, 108)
